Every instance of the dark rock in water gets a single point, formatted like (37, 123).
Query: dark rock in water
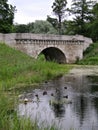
(65, 87)
(52, 94)
(65, 96)
(46, 81)
(36, 95)
(45, 93)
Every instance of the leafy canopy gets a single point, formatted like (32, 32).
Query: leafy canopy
(59, 8)
(6, 16)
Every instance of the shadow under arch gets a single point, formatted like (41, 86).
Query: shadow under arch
(54, 54)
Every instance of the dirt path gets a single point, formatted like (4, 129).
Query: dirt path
(85, 70)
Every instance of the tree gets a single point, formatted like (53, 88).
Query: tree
(93, 25)
(30, 27)
(44, 27)
(59, 8)
(53, 21)
(82, 13)
(21, 28)
(6, 16)
(39, 26)
(67, 27)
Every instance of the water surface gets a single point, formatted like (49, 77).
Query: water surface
(50, 107)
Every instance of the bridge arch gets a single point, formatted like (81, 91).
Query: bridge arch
(53, 54)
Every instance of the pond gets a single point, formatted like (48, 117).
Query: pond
(68, 102)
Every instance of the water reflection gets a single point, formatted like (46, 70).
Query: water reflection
(56, 104)
(69, 102)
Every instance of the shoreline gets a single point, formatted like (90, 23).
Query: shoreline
(84, 70)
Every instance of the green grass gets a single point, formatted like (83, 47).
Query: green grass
(90, 55)
(18, 70)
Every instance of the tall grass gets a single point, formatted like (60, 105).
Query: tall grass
(9, 119)
(19, 70)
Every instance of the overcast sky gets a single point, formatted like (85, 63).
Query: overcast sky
(31, 10)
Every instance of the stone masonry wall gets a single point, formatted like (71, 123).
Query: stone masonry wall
(34, 44)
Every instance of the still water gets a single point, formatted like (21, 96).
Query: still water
(67, 102)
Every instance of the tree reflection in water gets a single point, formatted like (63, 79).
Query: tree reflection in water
(57, 105)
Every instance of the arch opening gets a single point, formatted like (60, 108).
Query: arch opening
(54, 54)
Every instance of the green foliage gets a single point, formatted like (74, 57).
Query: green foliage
(19, 70)
(41, 57)
(30, 27)
(88, 50)
(9, 119)
(93, 25)
(67, 27)
(44, 27)
(39, 26)
(90, 61)
(59, 8)
(53, 21)
(21, 28)
(82, 14)
(90, 55)
(6, 16)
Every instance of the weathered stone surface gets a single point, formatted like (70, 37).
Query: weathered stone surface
(62, 48)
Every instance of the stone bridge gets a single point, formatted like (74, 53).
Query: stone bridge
(61, 48)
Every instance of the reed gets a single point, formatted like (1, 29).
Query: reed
(9, 119)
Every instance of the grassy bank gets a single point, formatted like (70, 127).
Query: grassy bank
(19, 70)
(90, 55)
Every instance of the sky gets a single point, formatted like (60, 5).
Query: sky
(31, 10)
